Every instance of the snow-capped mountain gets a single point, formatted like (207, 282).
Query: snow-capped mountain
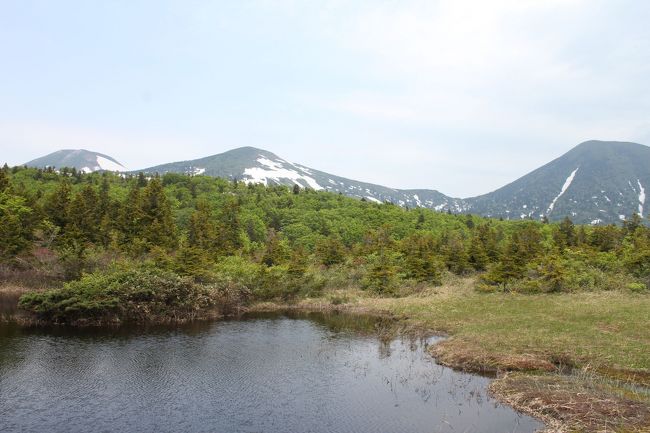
(250, 164)
(596, 182)
(83, 160)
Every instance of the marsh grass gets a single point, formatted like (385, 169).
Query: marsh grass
(606, 330)
(600, 338)
(580, 402)
(9, 296)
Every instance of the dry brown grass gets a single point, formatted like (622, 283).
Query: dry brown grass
(460, 354)
(9, 296)
(574, 403)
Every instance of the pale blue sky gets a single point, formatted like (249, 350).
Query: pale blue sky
(455, 95)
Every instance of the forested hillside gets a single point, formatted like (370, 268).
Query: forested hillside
(280, 242)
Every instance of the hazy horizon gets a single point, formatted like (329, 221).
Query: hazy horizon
(458, 96)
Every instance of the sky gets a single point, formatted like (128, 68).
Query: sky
(455, 95)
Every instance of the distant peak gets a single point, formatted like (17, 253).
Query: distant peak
(250, 151)
(605, 143)
(81, 159)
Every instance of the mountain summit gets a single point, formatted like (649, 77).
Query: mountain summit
(250, 164)
(83, 160)
(595, 182)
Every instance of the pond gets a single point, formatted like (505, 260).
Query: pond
(268, 373)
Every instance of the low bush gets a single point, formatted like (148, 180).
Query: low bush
(133, 295)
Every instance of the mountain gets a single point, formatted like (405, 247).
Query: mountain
(595, 182)
(83, 160)
(256, 165)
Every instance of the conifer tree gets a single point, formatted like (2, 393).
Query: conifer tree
(581, 236)
(631, 224)
(529, 239)
(511, 265)
(420, 261)
(565, 234)
(142, 181)
(605, 238)
(104, 199)
(478, 257)
(382, 272)
(551, 274)
(83, 220)
(276, 251)
(105, 213)
(158, 227)
(130, 217)
(298, 263)
(469, 221)
(193, 261)
(330, 251)
(4, 179)
(636, 253)
(420, 223)
(456, 256)
(202, 229)
(490, 240)
(16, 227)
(229, 228)
(58, 203)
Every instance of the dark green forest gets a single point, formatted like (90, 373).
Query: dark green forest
(79, 234)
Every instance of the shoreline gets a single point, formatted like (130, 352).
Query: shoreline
(531, 384)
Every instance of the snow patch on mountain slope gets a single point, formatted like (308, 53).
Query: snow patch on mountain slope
(275, 170)
(641, 197)
(567, 184)
(303, 168)
(108, 165)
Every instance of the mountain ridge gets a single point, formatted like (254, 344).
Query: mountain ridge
(595, 182)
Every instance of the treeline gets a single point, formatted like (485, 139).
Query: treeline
(285, 242)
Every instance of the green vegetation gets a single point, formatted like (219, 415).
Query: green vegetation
(514, 295)
(297, 241)
(510, 331)
(133, 295)
(286, 243)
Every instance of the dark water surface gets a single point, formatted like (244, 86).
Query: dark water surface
(273, 373)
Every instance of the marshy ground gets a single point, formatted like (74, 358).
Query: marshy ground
(581, 361)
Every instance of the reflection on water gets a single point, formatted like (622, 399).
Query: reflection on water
(269, 373)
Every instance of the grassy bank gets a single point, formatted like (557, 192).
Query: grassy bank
(134, 295)
(603, 336)
(579, 361)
